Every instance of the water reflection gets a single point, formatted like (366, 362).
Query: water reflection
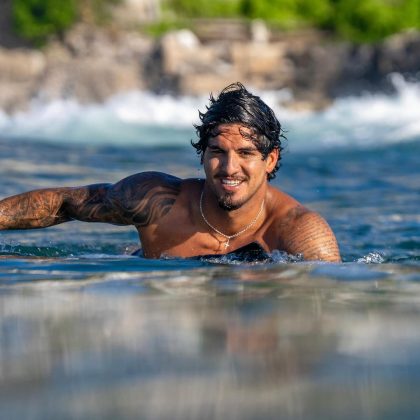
(245, 345)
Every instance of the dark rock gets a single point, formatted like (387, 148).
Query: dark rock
(400, 53)
(8, 38)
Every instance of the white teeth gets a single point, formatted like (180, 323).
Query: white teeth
(230, 183)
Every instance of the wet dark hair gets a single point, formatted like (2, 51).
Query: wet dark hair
(236, 105)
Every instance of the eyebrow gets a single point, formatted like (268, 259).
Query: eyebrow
(247, 149)
(240, 149)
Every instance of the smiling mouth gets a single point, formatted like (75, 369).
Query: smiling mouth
(230, 182)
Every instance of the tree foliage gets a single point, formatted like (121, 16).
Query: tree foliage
(204, 8)
(356, 20)
(371, 20)
(37, 19)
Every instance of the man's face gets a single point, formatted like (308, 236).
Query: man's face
(234, 167)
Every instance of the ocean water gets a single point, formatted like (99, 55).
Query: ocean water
(88, 331)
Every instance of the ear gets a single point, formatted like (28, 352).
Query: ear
(271, 160)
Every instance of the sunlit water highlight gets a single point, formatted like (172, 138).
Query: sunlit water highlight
(89, 331)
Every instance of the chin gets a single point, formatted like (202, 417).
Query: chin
(227, 203)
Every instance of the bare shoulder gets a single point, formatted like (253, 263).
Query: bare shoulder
(303, 231)
(145, 197)
(146, 180)
(191, 186)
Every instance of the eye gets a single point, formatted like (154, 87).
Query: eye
(246, 153)
(215, 150)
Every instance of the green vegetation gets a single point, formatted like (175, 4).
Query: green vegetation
(355, 20)
(36, 20)
(163, 26)
(204, 8)
(372, 20)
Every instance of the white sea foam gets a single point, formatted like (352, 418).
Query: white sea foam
(372, 258)
(149, 119)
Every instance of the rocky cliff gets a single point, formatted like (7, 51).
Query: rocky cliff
(92, 64)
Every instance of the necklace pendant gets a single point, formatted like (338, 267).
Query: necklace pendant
(227, 242)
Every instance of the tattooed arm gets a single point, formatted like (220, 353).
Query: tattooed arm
(310, 235)
(139, 200)
(34, 209)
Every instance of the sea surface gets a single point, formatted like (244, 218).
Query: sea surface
(88, 331)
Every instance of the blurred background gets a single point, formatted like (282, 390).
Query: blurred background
(89, 69)
(314, 51)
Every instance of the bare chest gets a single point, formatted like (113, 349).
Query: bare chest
(186, 237)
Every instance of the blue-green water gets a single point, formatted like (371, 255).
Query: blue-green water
(89, 332)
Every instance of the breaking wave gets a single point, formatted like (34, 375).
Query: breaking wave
(144, 118)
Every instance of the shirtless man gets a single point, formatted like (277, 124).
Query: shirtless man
(239, 144)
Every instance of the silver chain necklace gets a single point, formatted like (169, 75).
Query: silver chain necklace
(229, 237)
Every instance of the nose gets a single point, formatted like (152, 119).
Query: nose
(230, 164)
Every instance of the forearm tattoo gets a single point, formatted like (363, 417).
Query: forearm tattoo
(30, 210)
